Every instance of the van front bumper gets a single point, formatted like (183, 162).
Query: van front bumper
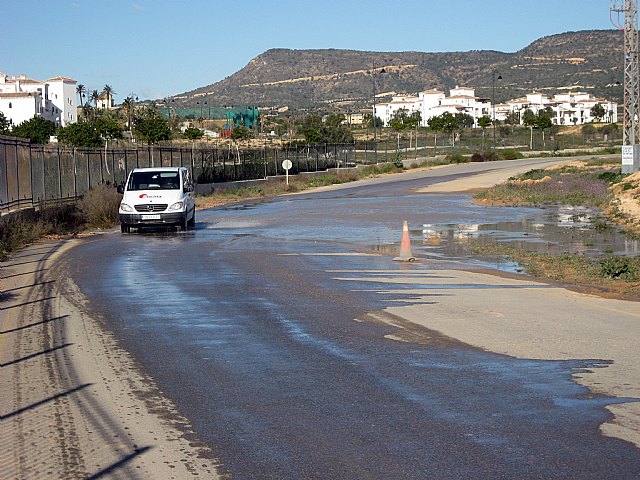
(143, 219)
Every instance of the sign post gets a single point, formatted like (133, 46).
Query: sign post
(286, 164)
(630, 158)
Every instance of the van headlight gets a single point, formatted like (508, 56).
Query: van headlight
(125, 208)
(177, 206)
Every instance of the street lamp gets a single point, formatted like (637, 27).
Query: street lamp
(493, 105)
(375, 123)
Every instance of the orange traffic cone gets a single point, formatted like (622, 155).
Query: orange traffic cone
(405, 246)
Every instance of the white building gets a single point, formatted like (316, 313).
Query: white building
(432, 103)
(572, 108)
(568, 108)
(22, 98)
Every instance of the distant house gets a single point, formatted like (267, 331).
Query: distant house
(568, 108)
(23, 98)
(572, 108)
(105, 101)
(354, 118)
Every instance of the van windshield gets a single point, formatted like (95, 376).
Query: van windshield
(154, 181)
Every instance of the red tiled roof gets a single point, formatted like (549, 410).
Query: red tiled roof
(19, 94)
(64, 79)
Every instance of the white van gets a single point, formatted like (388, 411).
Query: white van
(155, 197)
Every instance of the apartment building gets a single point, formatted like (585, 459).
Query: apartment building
(572, 108)
(23, 98)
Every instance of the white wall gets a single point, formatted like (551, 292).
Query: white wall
(22, 98)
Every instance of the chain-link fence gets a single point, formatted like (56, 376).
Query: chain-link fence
(34, 175)
(31, 175)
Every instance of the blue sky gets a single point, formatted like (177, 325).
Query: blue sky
(156, 48)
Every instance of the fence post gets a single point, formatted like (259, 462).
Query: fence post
(30, 174)
(59, 175)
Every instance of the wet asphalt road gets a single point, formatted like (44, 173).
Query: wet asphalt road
(281, 370)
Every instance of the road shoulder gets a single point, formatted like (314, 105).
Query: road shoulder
(77, 405)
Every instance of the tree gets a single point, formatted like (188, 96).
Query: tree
(334, 120)
(129, 106)
(398, 122)
(450, 124)
(529, 120)
(88, 112)
(95, 96)
(80, 134)
(464, 120)
(5, 125)
(193, 133)
(513, 118)
(598, 112)
(369, 121)
(332, 130)
(544, 122)
(80, 90)
(36, 129)
(150, 126)
(108, 92)
(312, 129)
(437, 125)
(483, 123)
(415, 119)
(108, 126)
(241, 133)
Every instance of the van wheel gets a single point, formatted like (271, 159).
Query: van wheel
(192, 223)
(125, 228)
(184, 224)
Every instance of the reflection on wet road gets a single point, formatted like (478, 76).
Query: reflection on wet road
(264, 327)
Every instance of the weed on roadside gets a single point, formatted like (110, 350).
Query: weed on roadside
(617, 274)
(24, 228)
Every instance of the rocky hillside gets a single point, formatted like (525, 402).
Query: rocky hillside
(588, 60)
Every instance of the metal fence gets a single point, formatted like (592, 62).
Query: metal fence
(34, 175)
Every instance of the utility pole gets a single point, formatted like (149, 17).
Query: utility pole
(630, 148)
(493, 105)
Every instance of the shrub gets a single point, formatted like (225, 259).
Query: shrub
(510, 154)
(535, 174)
(23, 228)
(98, 207)
(477, 157)
(619, 267)
(380, 169)
(397, 161)
(611, 177)
(489, 156)
(456, 158)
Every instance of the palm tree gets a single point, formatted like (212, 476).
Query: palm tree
(95, 96)
(129, 106)
(108, 92)
(80, 90)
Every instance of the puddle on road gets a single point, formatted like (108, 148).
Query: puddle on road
(556, 230)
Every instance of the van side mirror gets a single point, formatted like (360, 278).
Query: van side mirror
(189, 187)
(120, 188)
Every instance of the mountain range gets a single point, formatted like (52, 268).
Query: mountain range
(590, 61)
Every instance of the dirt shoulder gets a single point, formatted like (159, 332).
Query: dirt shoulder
(483, 180)
(75, 404)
